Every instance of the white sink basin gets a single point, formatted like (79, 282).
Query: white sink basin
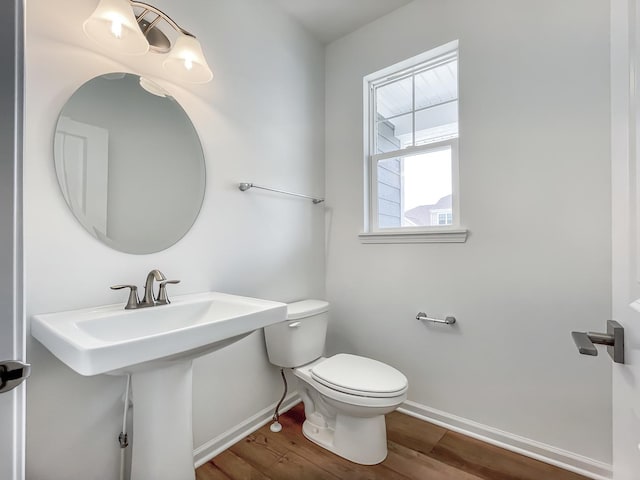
(156, 345)
(110, 339)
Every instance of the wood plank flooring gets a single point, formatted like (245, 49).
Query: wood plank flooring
(417, 450)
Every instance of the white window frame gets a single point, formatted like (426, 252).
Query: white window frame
(407, 234)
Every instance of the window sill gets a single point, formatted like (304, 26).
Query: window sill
(449, 235)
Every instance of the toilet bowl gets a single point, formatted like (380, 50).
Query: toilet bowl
(345, 396)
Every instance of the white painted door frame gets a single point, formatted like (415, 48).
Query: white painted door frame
(12, 331)
(81, 154)
(625, 175)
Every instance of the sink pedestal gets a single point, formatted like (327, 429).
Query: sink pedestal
(162, 423)
(156, 346)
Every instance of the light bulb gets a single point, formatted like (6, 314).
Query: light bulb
(116, 28)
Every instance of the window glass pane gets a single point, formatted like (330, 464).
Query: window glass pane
(395, 98)
(427, 189)
(416, 191)
(437, 85)
(390, 193)
(437, 123)
(394, 134)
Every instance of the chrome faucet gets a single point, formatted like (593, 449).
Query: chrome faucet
(147, 299)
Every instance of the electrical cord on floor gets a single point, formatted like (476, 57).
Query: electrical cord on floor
(275, 426)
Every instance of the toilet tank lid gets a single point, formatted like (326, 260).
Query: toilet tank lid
(306, 308)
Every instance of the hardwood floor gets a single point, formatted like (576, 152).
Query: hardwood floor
(417, 450)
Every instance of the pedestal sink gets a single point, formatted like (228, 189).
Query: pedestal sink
(156, 345)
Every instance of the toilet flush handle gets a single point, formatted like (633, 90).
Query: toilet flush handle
(294, 324)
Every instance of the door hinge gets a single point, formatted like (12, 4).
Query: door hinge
(12, 374)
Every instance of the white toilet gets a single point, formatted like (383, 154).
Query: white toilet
(345, 396)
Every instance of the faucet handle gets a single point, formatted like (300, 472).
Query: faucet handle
(133, 300)
(162, 293)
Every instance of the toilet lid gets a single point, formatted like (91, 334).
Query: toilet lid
(306, 308)
(359, 376)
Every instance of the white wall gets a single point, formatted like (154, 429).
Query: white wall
(535, 196)
(260, 120)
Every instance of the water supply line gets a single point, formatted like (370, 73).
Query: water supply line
(123, 437)
(275, 426)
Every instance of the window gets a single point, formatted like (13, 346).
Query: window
(445, 218)
(412, 138)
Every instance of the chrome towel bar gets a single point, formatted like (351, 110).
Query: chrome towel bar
(246, 186)
(447, 320)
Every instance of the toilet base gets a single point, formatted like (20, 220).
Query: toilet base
(359, 440)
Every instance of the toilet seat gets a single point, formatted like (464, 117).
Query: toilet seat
(360, 376)
(304, 374)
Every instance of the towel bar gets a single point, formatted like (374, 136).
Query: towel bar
(246, 186)
(447, 320)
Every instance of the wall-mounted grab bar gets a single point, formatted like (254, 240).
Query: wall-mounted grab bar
(447, 320)
(246, 186)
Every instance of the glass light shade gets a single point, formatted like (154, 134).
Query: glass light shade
(114, 26)
(186, 61)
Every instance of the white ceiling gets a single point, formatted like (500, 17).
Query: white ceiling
(329, 20)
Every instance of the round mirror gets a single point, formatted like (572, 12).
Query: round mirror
(129, 163)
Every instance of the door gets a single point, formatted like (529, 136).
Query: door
(82, 164)
(625, 150)
(11, 310)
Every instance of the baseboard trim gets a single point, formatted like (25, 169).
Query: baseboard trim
(219, 444)
(545, 453)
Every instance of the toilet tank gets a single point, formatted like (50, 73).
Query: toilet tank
(299, 339)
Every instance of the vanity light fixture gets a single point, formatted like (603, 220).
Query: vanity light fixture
(114, 25)
(134, 28)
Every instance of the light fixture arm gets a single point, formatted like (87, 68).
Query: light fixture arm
(140, 17)
(146, 8)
